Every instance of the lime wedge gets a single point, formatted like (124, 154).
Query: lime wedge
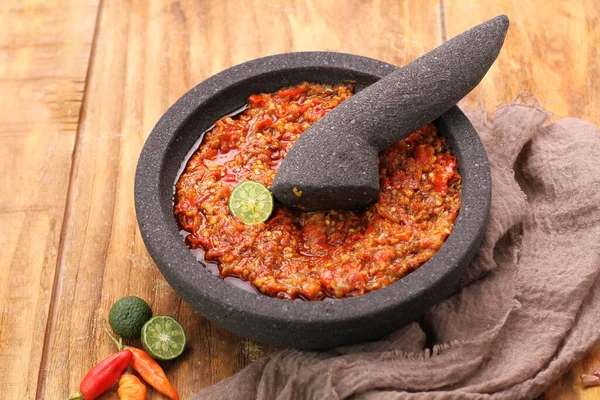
(251, 202)
(163, 338)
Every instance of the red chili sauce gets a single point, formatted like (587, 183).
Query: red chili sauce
(319, 254)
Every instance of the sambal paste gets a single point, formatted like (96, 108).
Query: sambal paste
(321, 254)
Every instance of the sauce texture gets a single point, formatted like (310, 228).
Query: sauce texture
(320, 254)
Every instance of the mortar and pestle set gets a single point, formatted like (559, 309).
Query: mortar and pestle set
(334, 164)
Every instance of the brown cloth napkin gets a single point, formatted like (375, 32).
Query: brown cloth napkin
(532, 305)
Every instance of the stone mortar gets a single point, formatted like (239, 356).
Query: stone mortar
(298, 324)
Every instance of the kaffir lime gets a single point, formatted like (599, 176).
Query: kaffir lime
(128, 315)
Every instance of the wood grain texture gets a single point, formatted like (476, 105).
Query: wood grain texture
(551, 51)
(44, 54)
(147, 54)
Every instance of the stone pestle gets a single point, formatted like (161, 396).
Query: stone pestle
(334, 165)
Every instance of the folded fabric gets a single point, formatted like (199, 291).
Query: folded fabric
(530, 306)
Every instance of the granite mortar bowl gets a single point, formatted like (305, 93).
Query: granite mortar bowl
(300, 324)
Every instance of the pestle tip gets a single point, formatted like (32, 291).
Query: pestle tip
(503, 18)
(501, 21)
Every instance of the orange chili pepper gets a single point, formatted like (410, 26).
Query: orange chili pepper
(152, 372)
(148, 369)
(131, 388)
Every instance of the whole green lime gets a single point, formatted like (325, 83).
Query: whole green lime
(128, 315)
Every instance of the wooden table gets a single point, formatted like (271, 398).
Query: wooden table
(82, 83)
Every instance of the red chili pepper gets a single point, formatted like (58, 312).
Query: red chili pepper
(276, 218)
(292, 92)
(444, 173)
(370, 229)
(211, 154)
(103, 376)
(256, 100)
(229, 178)
(148, 369)
(265, 123)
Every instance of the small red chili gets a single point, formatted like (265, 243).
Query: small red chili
(100, 378)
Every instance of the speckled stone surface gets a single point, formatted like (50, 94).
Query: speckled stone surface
(283, 322)
(335, 165)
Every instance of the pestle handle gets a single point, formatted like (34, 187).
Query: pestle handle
(418, 93)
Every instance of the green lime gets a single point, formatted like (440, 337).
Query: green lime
(163, 338)
(251, 202)
(128, 315)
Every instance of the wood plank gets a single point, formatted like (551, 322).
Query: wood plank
(147, 54)
(44, 54)
(551, 51)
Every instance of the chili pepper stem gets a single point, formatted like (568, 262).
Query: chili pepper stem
(118, 343)
(76, 396)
